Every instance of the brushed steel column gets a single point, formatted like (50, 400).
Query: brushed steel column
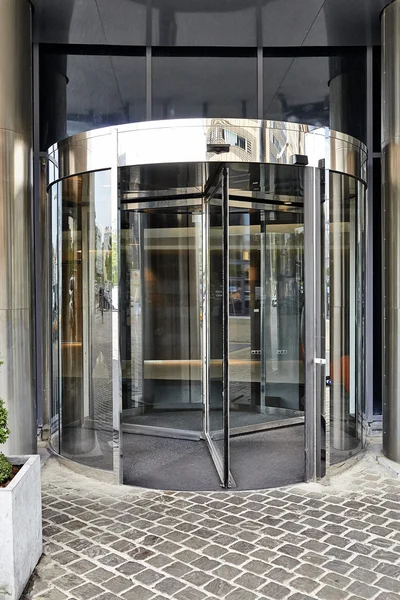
(16, 232)
(391, 228)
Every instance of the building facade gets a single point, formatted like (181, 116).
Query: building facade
(213, 274)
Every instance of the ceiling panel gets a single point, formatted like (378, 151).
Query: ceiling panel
(210, 22)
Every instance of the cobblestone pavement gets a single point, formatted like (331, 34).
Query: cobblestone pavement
(306, 541)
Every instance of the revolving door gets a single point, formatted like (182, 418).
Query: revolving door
(207, 302)
(212, 297)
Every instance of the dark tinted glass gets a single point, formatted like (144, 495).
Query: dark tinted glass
(81, 92)
(204, 23)
(104, 90)
(204, 87)
(318, 90)
(297, 89)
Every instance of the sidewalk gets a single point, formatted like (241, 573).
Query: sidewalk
(340, 542)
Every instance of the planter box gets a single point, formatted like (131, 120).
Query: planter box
(20, 527)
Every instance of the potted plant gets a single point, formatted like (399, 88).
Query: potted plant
(20, 517)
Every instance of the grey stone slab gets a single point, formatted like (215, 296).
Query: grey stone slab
(169, 586)
(250, 581)
(364, 575)
(111, 560)
(331, 593)
(304, 584)
(69, 581)
(119, 584)
(275, 591)
(198, 577)
(138, 593)
(241, 595)
(336, 580)
(52, 594)
(389, 583)
(190, 593)
(280, 574)
(363, 590)
(219, 587)
(87, 591)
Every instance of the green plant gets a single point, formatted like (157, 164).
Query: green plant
(5, 465)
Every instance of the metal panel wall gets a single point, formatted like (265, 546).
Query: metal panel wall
(16, 233)
(391, 229)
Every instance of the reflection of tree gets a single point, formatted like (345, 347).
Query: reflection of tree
(108, 266)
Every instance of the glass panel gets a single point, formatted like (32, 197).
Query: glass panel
(346, 314)
(177, 23)
(161, 264)
(204, 87)
(55, 320)
(86, 284)
(216, 323)
(318, 90)
(267, 328)
(82, 92)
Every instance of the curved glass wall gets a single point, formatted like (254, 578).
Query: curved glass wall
(82, 307)
(216, 335)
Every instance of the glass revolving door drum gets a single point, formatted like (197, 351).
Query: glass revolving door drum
(192, 328)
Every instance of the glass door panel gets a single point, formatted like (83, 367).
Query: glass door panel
(215, 324)
(161, 269)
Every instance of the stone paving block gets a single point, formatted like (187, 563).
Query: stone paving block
(189, 593)
(118, 584)
(330, 593)
(198, 578)
(241, 595)
(69, 581)
(87, 591)
(138, 593)
(338, 566)
(389, 583)
(177, 569)
(112, 560)
(52, 594)
(363, 589)
(275, 591)
(364, 575)
(250, 581)
(280, 575)
(218, 587)
(169, 586)
(258, 567)
(65, 557)
(304, 584)
(130, 568)
(108, 596)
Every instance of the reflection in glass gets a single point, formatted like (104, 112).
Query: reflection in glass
(346, 314)
(185, 87)
(104, 90)
(161, 312)
(266, 314)
(55, 321)
(86, 280)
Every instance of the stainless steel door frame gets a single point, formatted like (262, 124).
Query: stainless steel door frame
(315, 359)
(221, 461)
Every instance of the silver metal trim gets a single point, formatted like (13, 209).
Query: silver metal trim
(116, 361)
(185, 140)
(167, 432)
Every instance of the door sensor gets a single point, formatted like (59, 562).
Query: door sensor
(218, 148)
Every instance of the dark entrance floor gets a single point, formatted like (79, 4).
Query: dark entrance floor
(258, 461)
